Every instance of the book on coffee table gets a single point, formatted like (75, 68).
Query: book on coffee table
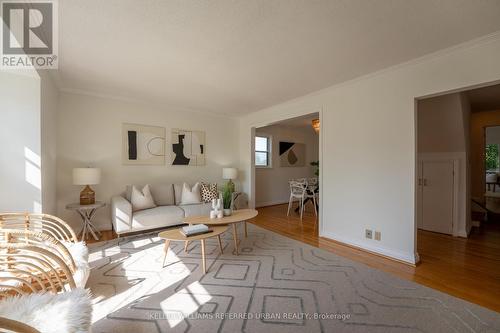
(194, 230)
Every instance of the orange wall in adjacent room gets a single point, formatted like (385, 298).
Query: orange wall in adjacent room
(478, 122)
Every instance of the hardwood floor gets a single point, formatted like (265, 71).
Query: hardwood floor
(465, 268)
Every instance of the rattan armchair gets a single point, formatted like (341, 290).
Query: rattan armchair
(44, 223)
(15, 326)
(32, 262)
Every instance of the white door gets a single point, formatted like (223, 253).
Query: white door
(437, 196)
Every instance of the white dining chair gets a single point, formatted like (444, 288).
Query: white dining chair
(297, 191)
(312, 181)
(311, 194)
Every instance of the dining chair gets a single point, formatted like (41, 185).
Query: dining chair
(297, 191)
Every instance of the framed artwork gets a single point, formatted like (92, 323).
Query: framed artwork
(143, 145)
(188, 147)
(292, 154)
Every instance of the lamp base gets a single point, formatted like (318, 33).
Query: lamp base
(87, 196)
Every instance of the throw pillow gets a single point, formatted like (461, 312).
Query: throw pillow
(141, 199)
(190, 195)
(209, 192)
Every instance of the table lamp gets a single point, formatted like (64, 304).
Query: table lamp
(86, 176)
(230, 174)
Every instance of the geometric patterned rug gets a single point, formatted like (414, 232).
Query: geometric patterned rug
(276, 284)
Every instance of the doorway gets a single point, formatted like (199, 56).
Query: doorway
(457, 189)
(288, 152)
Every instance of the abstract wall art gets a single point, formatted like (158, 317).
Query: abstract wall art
(143, 144)
(292, 154)
(188, 147)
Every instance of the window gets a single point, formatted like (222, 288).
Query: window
(262, 151)
(492, 162)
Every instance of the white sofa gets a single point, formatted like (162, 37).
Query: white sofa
(169, 211)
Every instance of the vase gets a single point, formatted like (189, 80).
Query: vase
(228, 211)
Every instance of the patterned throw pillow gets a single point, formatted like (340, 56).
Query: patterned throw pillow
(209, 192)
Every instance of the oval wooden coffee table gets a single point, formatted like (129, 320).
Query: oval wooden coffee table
(238, 216)
(176, 235)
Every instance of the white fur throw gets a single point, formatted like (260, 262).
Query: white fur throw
(69, 312)
(80, 254)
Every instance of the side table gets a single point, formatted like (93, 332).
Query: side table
(87, 212)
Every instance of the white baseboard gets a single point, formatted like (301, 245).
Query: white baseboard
(411, 258)
(270, 203)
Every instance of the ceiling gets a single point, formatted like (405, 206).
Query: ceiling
(236, 57)
(299, 122)
(484, 99)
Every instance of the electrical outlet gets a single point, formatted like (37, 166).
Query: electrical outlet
(368, 233)
(377, 235)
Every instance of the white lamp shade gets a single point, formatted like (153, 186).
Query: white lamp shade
(229, 173)
(86, 176)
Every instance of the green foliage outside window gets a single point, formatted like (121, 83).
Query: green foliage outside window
(492, 157)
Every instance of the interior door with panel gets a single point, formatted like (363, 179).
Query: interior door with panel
(437, 196)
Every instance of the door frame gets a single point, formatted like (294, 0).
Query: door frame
(251, 177)
(456, 159)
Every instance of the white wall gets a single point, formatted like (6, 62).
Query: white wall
(90, 133)
(49, 104)
(441, 124)
(20, 165)
(368, 154)
(271, 184)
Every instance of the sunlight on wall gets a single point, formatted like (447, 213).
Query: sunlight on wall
(32, 170)
(37, 207)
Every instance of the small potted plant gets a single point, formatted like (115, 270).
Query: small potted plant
(227, 194)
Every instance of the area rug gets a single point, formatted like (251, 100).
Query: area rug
(275, 284)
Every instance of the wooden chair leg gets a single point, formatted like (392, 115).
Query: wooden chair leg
(301, 209)
(186, 243)
(246, 231)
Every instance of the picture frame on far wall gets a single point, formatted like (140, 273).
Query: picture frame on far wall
(143, 144)
(188, 147)
(292, 154)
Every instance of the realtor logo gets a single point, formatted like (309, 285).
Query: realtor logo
(29, 34)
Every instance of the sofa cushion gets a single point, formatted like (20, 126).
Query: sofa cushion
(190, 195)
(128, 192)
(160, 216)
(142, 199)
(178, 193)
(163, 194)
(209, 192)
(202, 209)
